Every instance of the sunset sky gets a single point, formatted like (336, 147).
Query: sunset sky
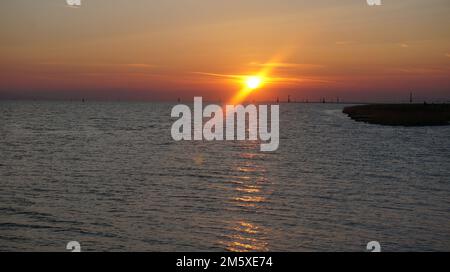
(162, 50)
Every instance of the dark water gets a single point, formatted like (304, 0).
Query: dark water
(109, 176)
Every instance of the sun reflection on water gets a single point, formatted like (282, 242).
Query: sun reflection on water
(248, 237)
(249, 190)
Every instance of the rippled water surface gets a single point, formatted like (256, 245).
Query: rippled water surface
(109, 176)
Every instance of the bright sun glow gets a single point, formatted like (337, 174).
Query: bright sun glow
(253, 82)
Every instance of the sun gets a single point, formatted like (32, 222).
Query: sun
(253, 82)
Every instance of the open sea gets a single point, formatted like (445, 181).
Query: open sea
(109, 176)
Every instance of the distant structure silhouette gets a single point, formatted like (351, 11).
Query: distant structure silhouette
(289, 99)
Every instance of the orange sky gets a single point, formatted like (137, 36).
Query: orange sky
(162, 50)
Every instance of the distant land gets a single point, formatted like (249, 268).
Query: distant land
(401, 114)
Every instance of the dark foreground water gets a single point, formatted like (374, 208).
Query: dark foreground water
(109, 176)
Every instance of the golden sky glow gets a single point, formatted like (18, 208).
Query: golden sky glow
(162, 50)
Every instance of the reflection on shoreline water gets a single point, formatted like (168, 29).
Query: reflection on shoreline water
(249, 193)
(247, 237)
(109, 176)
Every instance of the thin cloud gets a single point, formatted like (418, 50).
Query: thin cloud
(219, 75)
(268, 79)
(114, 65)
(421, 70)
(295, 80)
(286, 65)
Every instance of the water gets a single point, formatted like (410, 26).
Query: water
(109, 176)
